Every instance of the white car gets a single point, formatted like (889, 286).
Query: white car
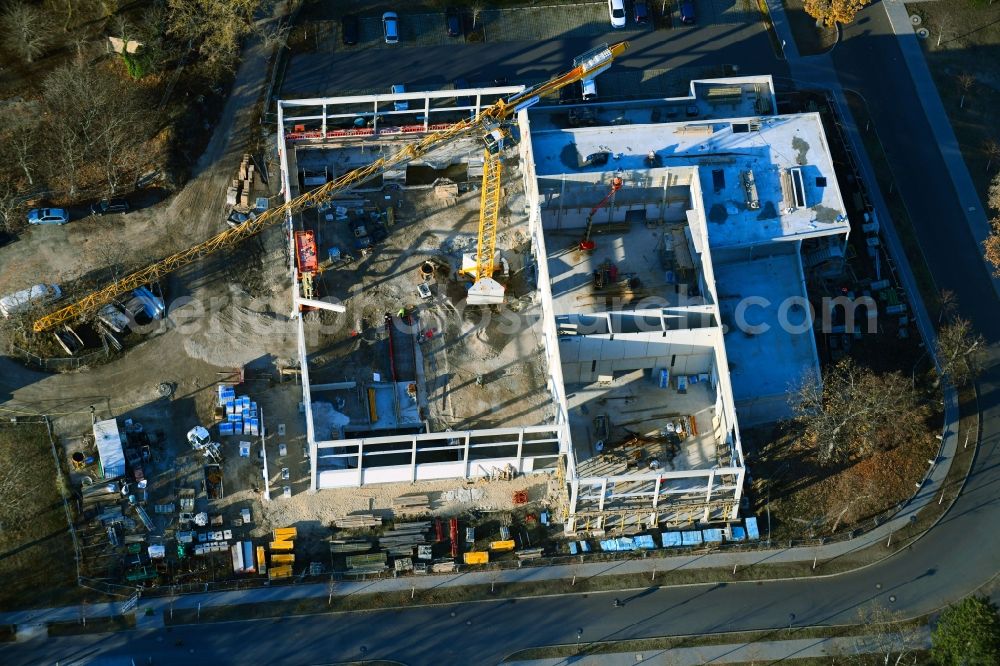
(616, 8)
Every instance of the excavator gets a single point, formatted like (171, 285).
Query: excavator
(493, 125)
(587, 245)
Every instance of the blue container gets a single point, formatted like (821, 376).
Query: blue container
(225, 429)
(664, 380)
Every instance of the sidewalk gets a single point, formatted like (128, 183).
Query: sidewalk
(770, 651)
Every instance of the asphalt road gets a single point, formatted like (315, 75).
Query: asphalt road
(919, 170)
(955, 558)
(431, 67)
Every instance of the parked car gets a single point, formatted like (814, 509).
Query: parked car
(399, 104)
(390, 27)
(589, 89)
(349, 30)
(616, 8)
(20, 301)
(687, 12)
(453, 22)
(48, 216)
(641, 12)
(108, 206)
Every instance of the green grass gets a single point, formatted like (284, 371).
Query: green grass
(36, 559)
(94, 625)
(673, 642)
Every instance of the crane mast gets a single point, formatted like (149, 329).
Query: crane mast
(489, 122)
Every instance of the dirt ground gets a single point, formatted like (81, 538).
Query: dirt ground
(483, 367)
(36, 559)
(969, 44)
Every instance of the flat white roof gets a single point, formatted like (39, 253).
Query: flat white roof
(109, 447)
(723, 151)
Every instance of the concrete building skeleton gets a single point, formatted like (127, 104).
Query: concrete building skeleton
(700, 320)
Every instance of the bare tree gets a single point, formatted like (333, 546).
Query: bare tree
(991, 246)
(888, 638)
(853, 411)
(958, 349)
(993, 195)
(992, 150)
(216, 26)
(966, 82)
(274, 36)
(19, 134)
(25, 30)
(94, 120)
(948, 301)
(477, 10)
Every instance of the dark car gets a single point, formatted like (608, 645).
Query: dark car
(641, 12)
(109, 206)
(453, 22)
(349, 30)
(687, 12)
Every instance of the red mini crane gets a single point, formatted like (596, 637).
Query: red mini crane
(586, 244)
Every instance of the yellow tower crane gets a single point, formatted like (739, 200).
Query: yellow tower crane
(490, 123)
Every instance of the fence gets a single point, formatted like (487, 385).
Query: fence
(60, 364)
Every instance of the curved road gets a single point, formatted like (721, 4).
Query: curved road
(952, 560)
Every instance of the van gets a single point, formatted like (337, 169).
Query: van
(589, 88)
(390, 27)
(21, 301)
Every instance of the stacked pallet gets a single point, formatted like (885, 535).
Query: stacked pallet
(446, 566)
(404, 538)
(358, 521)
(411, 504)
(282, 561)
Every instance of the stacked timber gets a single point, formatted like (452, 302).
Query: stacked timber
(529, 554)
(350, 545)
(370, 563)
(358, 521)
(404, 538)
(411, 504)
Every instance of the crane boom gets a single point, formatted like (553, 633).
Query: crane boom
(587, 65)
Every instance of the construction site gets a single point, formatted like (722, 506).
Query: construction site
(515, 332)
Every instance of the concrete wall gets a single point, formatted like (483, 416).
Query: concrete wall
(584, 358)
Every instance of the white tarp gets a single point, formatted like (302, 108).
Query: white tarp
(109, 448)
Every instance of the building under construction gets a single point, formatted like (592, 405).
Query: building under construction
(652, 257)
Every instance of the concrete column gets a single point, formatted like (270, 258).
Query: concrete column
(520, 450)
(466, 454)
(604, 494)
(708, 494)
(656, 491)
(738, 494)
(324, 121)
(361, 459)
(413, 461)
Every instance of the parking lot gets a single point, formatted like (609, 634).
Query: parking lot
(525, 45)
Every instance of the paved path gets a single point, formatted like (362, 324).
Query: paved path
(736, 653)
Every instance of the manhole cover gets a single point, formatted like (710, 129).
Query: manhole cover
(165, 390)
(923, 33)
(915, 19)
